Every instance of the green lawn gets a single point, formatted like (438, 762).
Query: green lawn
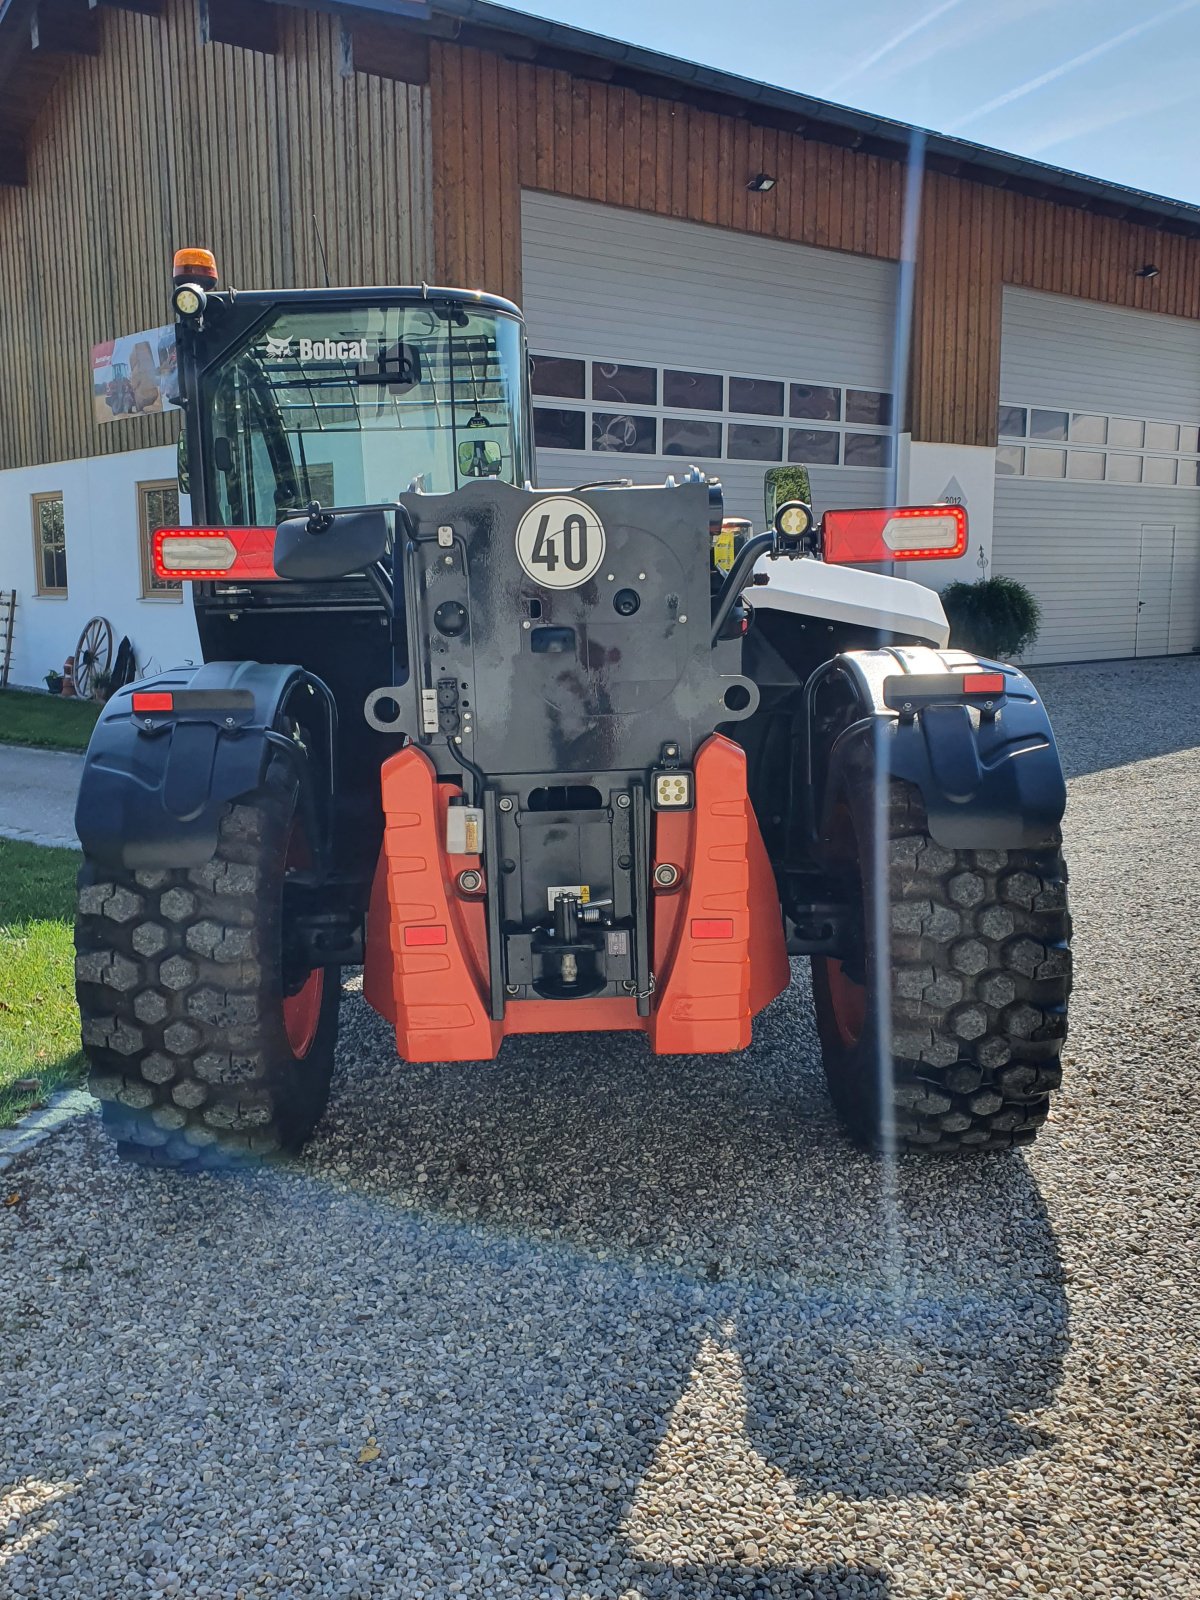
(39, 1026)
(46, 720)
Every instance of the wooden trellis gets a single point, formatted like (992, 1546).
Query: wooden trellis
(8, 615)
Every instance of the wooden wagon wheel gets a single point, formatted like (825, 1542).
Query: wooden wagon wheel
(93, 654)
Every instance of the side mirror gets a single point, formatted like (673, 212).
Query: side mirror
(351, 541)
(479, 458)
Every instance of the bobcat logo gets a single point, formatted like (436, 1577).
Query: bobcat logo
(278, 348)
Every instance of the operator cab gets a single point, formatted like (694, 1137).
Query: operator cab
(348, 396)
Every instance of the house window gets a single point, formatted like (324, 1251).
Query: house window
(49, 544)
(158, 507)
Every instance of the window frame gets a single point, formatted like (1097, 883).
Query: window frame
(1187, 460)
(42, 590)
(174, 594)
(588, 406)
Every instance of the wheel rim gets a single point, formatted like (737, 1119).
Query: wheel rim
(302, 1012)
(848, 1001)
(302, 1007)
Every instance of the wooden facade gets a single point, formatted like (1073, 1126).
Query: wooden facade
(500, 126)
(161, 139)
(165, 135)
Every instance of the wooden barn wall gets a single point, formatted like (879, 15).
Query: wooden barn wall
(500, 126)
(161, 140)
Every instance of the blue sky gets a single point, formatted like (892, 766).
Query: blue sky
(1101, 86)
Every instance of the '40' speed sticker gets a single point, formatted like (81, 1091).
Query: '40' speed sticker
(560, 542)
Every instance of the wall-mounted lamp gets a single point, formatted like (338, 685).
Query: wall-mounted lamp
(760, 183)
(1148, 271)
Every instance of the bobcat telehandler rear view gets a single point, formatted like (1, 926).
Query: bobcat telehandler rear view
(541, 761)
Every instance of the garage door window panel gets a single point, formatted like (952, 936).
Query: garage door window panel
(1087, 428)
(559, 430)
(1041, 463)
(1012, 422)
(868, 450)
(1162, 436)
(748, 442)
(814, 447)
(816, 402)
(560, 377)
(693, 391)
(1085, 465)
(1010, 461)
(1124, 469)
(1048, 424)
(1126, 433)
(1159, 469)
(628, 385)
(757, 397)
(869, 407)
(625, 434)
(640, 427)
(691, 436)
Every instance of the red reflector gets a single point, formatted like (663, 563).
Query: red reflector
(153, 702)
(425, 933)
(712, 927)
(983, 683)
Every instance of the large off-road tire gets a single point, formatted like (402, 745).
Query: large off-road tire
(203, 1050)
(973, 1012)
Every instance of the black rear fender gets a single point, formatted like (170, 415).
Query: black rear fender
(155, 781)
(986, 766)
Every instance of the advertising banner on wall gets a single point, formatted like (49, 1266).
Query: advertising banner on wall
(132, 376)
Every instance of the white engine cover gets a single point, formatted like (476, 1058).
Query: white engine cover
(811, 588)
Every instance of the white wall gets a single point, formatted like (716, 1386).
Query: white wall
(100, 515)
(964, 475)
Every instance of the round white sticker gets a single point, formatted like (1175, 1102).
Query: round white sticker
(560, 542)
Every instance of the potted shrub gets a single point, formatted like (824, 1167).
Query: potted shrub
(53, 681)
(996, 617)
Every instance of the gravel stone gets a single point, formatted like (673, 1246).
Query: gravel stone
(587, 1325)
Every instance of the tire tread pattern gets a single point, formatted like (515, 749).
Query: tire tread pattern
(981, 974)
(178, 981)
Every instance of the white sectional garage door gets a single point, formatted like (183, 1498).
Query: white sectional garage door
(1097, 503)
(659, 344)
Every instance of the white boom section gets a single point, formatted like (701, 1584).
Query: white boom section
(812, 588)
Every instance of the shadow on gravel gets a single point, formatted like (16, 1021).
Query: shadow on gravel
(731, 1262)
(621, 1327)
(1110, 713)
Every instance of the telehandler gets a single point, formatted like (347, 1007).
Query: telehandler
(541, 760)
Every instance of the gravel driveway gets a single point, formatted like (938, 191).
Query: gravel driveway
(589, 1324)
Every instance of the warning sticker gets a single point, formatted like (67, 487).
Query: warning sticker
(560, 542)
